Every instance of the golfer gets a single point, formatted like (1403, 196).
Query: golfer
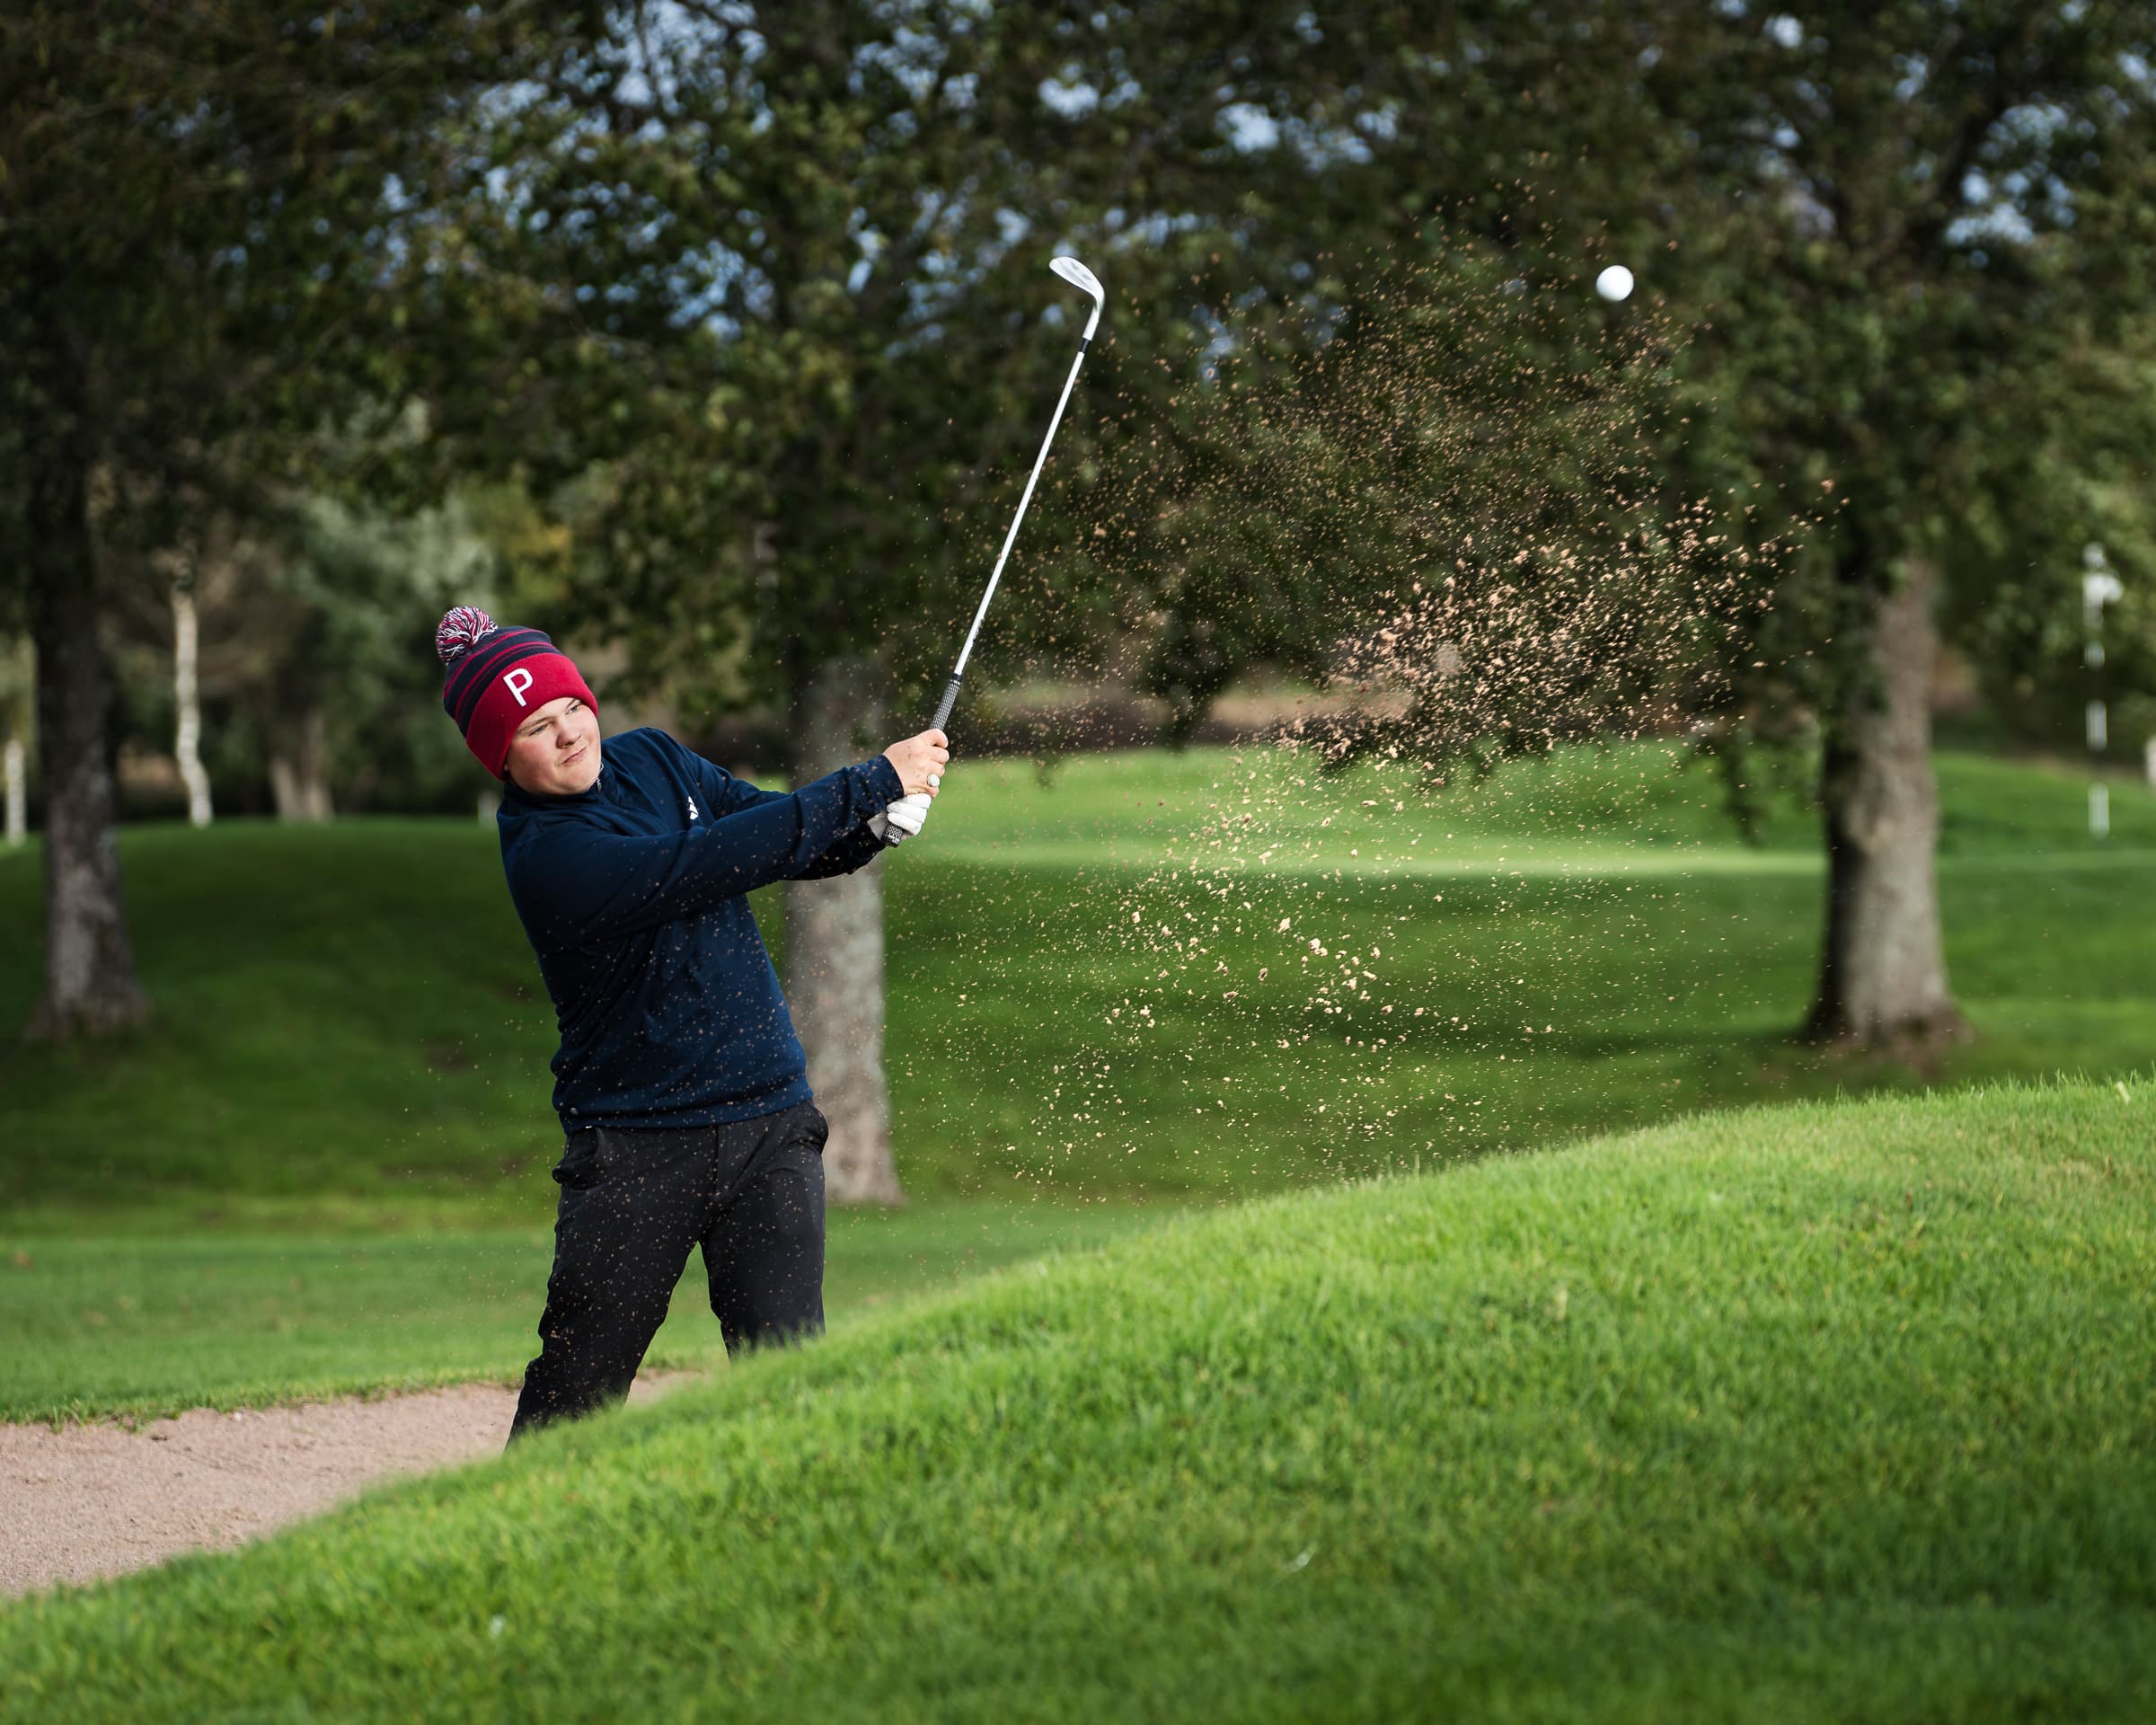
(680, 1085)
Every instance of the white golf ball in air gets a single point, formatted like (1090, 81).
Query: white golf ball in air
(1614, 283)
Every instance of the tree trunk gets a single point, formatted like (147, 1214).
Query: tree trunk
(1883, 974)
(187, 742)
(18, 684)
(299, 770)
(90, 983)
(18, 801)
(835, 953)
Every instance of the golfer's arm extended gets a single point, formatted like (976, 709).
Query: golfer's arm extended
(616, 883)
(857, 849)
(847, 852)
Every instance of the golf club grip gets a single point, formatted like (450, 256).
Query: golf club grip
(950, 699)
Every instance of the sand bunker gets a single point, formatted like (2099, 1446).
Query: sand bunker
(96, 1500)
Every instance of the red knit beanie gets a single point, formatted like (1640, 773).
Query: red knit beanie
(494, 679)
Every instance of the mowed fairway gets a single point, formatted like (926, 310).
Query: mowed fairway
(1256, 974)
(1091, 991)
(1826, 1412)
(323, 1167)
(139, 1328)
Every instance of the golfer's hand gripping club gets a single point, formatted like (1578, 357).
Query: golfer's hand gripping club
(919, 762)
(901, 820)
(904, 818)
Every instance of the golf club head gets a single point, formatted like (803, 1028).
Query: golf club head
(1078, 276)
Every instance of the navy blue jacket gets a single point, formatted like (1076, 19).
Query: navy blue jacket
(632, 893)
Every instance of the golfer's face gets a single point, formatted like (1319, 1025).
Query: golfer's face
(555, 753)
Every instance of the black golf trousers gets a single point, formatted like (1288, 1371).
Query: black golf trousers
(634, 1205)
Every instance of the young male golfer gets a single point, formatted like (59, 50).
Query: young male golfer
(680, 1083)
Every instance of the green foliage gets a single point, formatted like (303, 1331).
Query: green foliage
(195, 208)
(1895, 265)
(776, 325)
(318, 613)
(1812, 1414)
(1920, 230)
(2020, 565)
(367, 593)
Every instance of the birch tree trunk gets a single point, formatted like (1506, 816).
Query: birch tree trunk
(90, 983)
(835, 952)
(18, 798)
(18, 682)
(186, 741)
(1883, 971)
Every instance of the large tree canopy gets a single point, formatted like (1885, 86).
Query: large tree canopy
(768, 283)
(1875, 244)
(751, 296)
(1900, 248)
(197, 202)
(1908, 224)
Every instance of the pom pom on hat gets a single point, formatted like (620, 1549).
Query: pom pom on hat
(462, 630)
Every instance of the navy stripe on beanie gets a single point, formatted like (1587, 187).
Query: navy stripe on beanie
(469, 676)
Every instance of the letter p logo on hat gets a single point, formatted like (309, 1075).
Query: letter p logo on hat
(518, 681)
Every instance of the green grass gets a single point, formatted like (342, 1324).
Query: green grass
(1614, 805)
(1569, 946)
(346, 1080)
(342, 1013)
(1827, 1412)
(139, 1327)
(351, 1036)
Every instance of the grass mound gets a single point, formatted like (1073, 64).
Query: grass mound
(1834, 1412)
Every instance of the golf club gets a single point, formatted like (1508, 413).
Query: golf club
(907, 815)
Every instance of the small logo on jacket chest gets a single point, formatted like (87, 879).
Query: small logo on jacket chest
(692, 807)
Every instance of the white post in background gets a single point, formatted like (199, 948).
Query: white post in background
(187, 743)
(2099, 587)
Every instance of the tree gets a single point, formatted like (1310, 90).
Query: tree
(187, 691)
(1895, 230)
(775, 317)
(767, 285)
(315, 661)
(18, 675)
(18, 694)
(1942, 205)
(195, 203)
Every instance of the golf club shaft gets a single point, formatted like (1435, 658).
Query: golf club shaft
(950, 689)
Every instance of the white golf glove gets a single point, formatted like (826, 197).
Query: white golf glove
(901, 820)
